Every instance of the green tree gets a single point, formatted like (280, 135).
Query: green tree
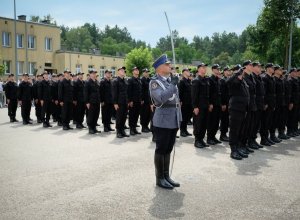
(79, 38)
(139, 57)
(222, 59)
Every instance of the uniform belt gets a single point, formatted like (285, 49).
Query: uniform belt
(170, 105)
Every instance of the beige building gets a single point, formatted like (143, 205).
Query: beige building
(39, 48)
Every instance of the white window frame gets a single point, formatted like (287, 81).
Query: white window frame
(102, 70)
(48, 44)
(90, 68)
(113, 71)
(78, 68)
(6, 39)
(20, 41)
(31, 67)
(7, 68)
(20, 67)
(31, 41)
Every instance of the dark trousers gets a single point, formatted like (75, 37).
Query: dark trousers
(93, 115)
(200, 123)
(38, 110)
(106, 114)
(54, 110)
(165, 140)
(145, 115)
(213, 122)
(12, 108)
(134, 113)
(66, 113)
(266, 122)
(292, 124)
(236, 119)
(121, 115)
(285, 114)
(224, 122)
(79, 112)
(277, 119)
(257, 123)
(46, 111)
(248, 127)
(187, 113)
(25, 110)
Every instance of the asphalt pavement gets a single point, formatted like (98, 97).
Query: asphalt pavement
(56, 174)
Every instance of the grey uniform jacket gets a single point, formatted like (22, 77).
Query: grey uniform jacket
(166, 99)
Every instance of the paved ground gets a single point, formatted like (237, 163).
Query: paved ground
(52, 174)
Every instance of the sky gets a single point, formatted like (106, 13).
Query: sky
(145, 19)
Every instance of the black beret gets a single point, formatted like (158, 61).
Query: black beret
(269, 65)
(257, 63)
(226, 68)
(236, 67)
(201, 65)
(92, 71)
(247, 62)
(146, 70)
(135, 68)
(108, 71)
(123, 67)
(215, 66)
(185, 69)
(80, 73)
(277, 67)
(25, 74)
(292, 70)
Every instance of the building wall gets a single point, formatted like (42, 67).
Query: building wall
(38, 55)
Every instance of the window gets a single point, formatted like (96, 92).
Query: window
(48, 44)
(5, 39)
(31, 68)
(31, 42)
(78, 68)
(102, 70)
(20, 67)
(90, 67)
(19, 40)
(7, 66)
(113, 70)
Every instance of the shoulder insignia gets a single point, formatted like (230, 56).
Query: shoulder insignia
(154, 85)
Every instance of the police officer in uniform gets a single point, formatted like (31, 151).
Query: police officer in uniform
(292, 126)
(92, 101)
(238, 104)
(79, 99)
(44, 94)
(37, 103)
(106, 100)
(260, 97)
(224, 102)
(65, 98)
(146, 108)
(270, 102)
(120, 101)
(25, 97)
(166, 119)
(201, 105)
(134, 100)
(54, 95)
(215, 101)
(11, 93)
(287, 92)
(185, 95)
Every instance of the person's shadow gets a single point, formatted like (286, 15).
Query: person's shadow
(166, 204)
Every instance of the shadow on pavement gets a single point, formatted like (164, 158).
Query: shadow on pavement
(166, 204)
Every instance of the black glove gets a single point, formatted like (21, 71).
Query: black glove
(174, 80)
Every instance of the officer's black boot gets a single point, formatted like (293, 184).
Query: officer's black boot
(282, 136)
(153, 137)
(274, 138)
(242, 152)
(198, 143)
(159, 172)
(119, 134)
(257, 144)
(264, 141)
(234, 154)
(270, 141)
(124, 133)
(91, 130)
(183, 133)
(166, 171)
(132, 132)
(136, 132)
(252, 145)
(109, 128)
(224, 137)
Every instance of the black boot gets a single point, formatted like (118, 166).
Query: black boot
(183, 133)
(258, 145)
(119, 134)
(274, 138)
(109, 128)
(124, 133)
(251, 145)
(198, 144)
(153, 137)
(136, 132)
(166, 171)
(234, 154)
(159, 172)
(132, 132)
(265, 142)
(224, 137)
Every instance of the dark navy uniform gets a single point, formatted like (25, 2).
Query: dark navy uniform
(92, 97)
(80, 105)
(37, 103)
(185, 95)
(11, 93)
(224, 113)
(120, 98)
(145, 109)
(200, 100)
(25, 96)
(54, 103)
(44, 94)
(292, 126)
(107, 102)
(134, 96)
(65, 98)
